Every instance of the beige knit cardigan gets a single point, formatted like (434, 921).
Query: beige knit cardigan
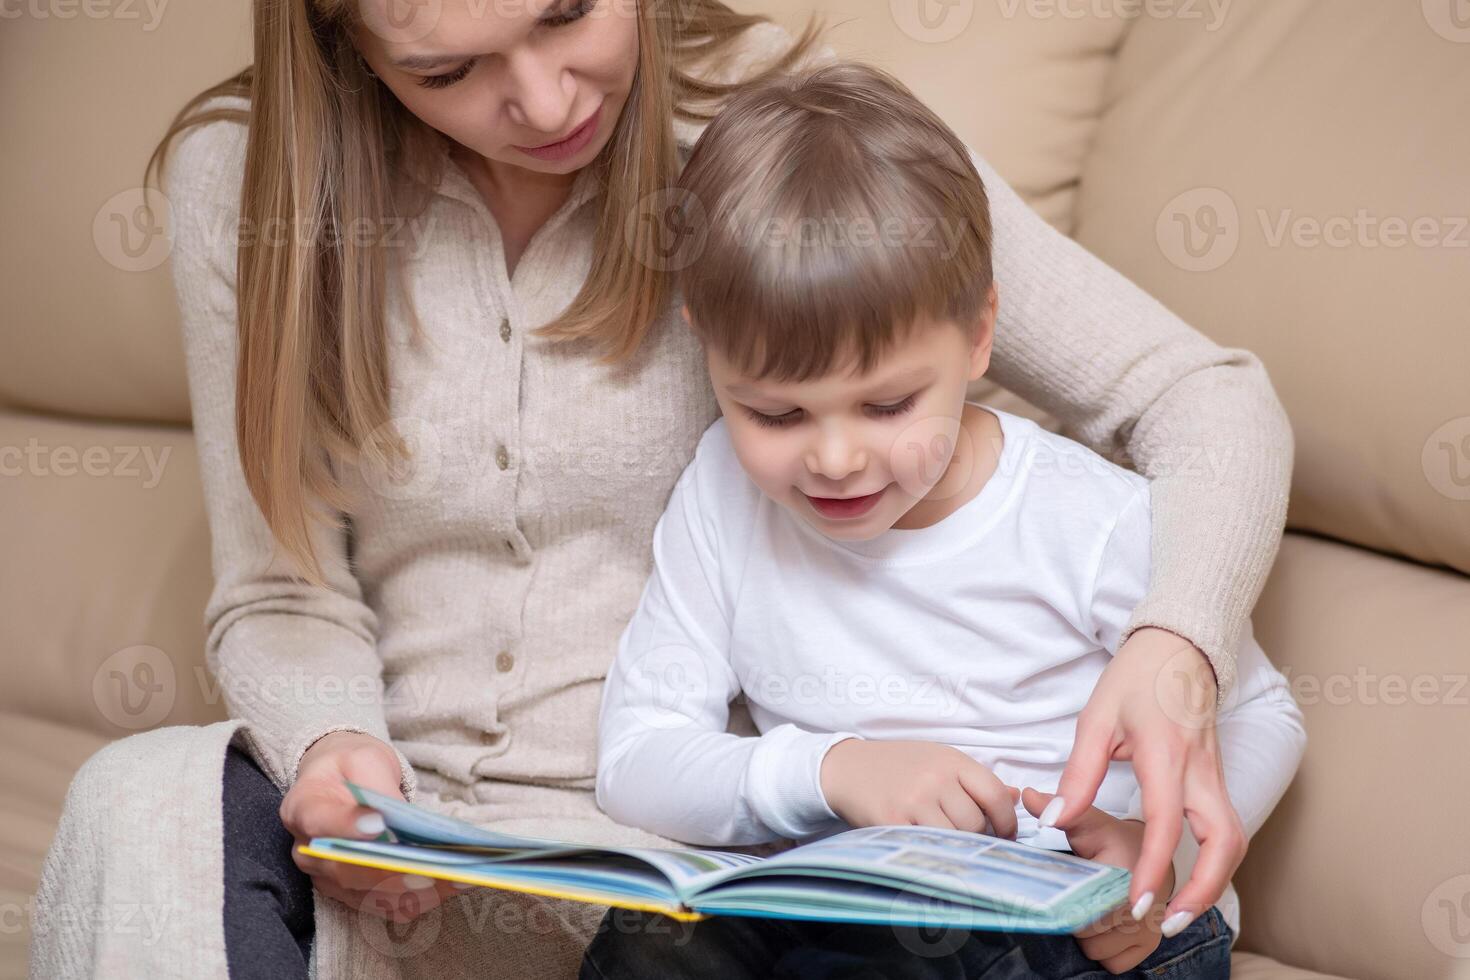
(477, 605)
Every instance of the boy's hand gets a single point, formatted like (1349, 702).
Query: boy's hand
(874, 782)
(1117, 942)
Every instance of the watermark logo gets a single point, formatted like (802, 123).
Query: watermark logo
(1446, 458)
(132, 231)
(665, 685)
(403, 478)
(135, 688)
(1445, 917)
(1199, 230)
(148, 13)
(397, 922)
(933, 458)
(668, 229)
(1450, 19)
(401, 21)
(932, 21)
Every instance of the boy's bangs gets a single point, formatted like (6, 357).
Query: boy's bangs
(820, 294)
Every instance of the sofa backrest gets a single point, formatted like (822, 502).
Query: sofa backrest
(1292, 179)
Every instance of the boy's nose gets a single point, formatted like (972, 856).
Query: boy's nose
(834, 455)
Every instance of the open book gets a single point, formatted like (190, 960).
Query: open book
(896, 875)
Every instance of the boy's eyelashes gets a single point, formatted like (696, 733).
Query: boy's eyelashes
(793, 416)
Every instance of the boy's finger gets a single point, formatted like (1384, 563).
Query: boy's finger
(961, 810)
(986, 789)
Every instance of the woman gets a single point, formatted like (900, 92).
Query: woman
(441, 393)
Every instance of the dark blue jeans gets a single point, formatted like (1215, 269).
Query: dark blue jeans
(639, 945)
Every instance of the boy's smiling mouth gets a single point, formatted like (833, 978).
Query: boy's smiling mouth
(844, 508)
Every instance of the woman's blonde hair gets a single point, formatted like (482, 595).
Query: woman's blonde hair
(830, 212)
(327, 146)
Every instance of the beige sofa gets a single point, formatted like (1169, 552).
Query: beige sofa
(1289, 175)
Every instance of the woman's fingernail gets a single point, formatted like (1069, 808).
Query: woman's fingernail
(370, 823)
(1175, 924)
(464, 884)
(1053, 810)
(417, 882)
(1141, 907)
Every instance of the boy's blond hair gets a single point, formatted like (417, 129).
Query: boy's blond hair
(834, 211)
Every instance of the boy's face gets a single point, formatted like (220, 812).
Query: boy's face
(852, 454)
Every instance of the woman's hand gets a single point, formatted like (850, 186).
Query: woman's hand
(1117, 941)
(870, 783)
(319, 804)
(1155, 706)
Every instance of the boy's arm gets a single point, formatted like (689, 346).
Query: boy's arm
(665, 762)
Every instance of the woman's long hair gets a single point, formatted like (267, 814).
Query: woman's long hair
(326, 149)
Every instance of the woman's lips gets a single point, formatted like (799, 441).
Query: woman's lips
(840, 510)
(573, 144)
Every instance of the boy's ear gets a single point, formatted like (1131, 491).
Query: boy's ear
(984, 335)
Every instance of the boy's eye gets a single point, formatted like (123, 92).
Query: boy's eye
(773, 421)
(789, 418)
(897, 408)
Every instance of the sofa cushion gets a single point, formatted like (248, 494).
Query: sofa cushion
(1020, 82)
(89, 325)
(1314, 152)
(106, 575)
(1362, 868)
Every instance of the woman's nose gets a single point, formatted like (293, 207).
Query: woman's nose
(542, 94)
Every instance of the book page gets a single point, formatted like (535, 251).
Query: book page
(942, 861)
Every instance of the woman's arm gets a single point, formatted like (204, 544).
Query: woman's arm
(1135, 383)
(294, 661)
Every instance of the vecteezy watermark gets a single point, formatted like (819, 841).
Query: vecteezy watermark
(668, 230)
(147, 13)
(397, 477)
(1372, 689)
(37, 459)
(132, 230)
(1446, 458)
(1201, 229)
(136, 687)
(1450, 19)
(932, 21)
(400, 916)
(140, 919)
(1445, 917)
(1211, 13)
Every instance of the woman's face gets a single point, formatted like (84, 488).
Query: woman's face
(505, 77)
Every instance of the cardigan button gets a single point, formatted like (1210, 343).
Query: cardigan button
(504, 661)
(502, 458)
(505, 329)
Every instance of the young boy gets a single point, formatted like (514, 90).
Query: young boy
(916, 594)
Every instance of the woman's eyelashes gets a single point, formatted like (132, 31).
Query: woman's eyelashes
(449, 78)
(578, 10)
(790, 418)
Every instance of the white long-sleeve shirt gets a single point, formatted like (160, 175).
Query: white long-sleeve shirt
(986, 631)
